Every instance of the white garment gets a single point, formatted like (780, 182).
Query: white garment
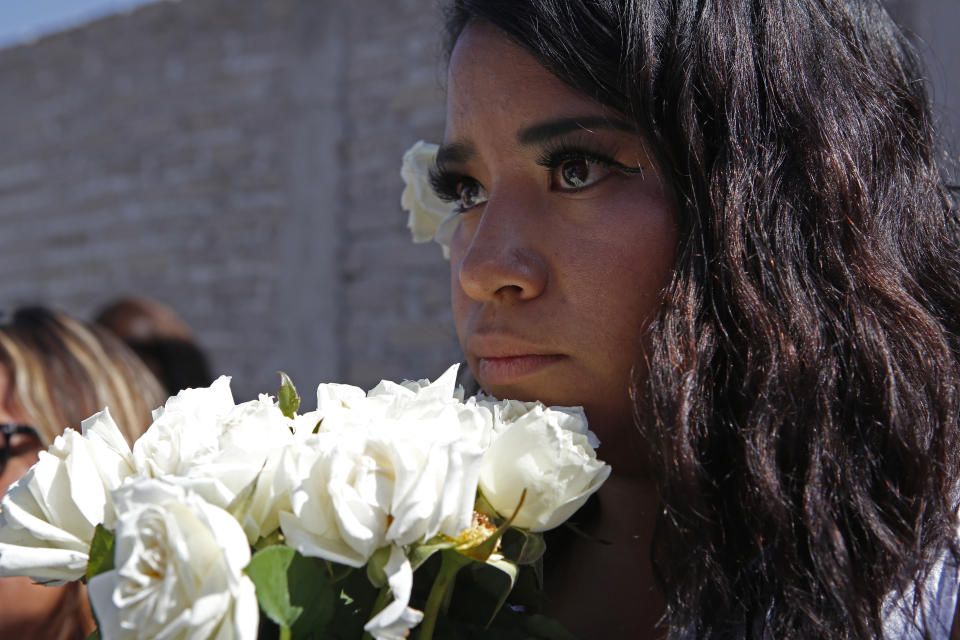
(939, 605)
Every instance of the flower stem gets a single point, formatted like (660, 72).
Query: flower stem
(285, 633)
(379, 604)
(451, 563)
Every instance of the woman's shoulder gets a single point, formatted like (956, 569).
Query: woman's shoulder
(937, 607)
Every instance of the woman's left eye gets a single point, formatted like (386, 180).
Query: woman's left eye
(577, 173)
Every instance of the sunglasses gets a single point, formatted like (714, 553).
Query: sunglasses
(8, 430)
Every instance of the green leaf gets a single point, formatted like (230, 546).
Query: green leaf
(421, 553)
(375, 573)
(522, 546)
(483, 506)
(510, 569)
(483, 550)
(94, 635)
(268, 570)
(337, 572)
(292, 590)
(273, 538)
(441, 591)
(101, 552)
(288, 397)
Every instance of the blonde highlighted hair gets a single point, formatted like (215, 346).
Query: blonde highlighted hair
(62, 371)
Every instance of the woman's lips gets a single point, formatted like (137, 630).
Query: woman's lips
(507, 369)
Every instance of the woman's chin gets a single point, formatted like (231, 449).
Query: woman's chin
(529, 393)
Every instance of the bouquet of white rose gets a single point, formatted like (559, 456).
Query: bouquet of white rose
(320, 521)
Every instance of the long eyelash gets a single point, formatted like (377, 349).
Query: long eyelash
(557, 153)
(445, 183)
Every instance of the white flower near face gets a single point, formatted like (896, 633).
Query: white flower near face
(548, 452)
(179, 569)
(430, 218)
(49, 515)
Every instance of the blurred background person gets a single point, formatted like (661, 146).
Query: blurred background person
(56, 371)
(162, 340)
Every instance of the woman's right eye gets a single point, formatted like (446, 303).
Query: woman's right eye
(462, 190)
(470, 194)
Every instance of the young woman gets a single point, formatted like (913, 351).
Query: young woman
(55, 372)
(722, 228)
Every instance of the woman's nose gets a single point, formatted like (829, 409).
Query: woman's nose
(501, 260)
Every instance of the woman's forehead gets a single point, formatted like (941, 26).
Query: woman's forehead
(493, 81)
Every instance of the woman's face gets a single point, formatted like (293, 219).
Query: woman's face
(24, 606)
(566, 239)
(23, 449)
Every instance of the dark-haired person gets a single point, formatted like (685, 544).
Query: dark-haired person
(722, 228)
(56, 371)
(162, 340)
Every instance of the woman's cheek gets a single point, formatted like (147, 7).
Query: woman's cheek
(17, 466)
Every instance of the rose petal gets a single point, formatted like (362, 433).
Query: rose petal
(395, 620)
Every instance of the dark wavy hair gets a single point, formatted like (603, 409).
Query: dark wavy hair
(802, 401)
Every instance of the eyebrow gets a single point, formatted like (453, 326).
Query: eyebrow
(461, 152)
(544, 131)
(455, 153)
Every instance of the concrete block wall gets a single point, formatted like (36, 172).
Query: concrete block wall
(239, 160)
(397, 292)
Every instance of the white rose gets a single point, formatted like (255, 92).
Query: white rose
(250, 453)
(186, 429)
(305, 424)
(49, 515)
(428, 213)
(202, 441)
(179, 569)
(370, 490)
(506, 412)
(395, 620)
(444, 389)
(391, 485)
(340, 403)
(396, 465)
(346, 407)
(393, 482)
(282, 470)
(548, 452)
(393, 468)
(342, 526)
